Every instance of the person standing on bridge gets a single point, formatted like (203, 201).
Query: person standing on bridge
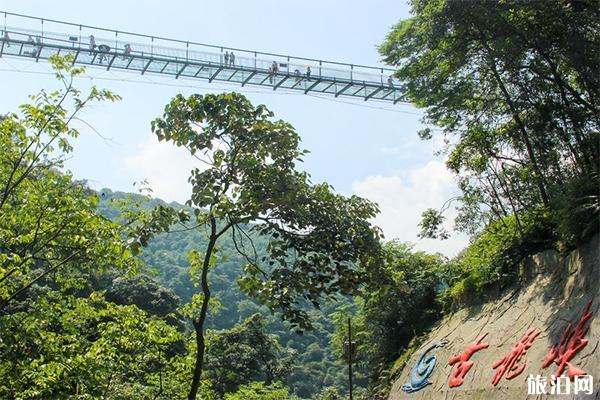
(103, 49)
(127, 52)
(226, 58)
(6, 38)
(38, 43)
(232, 59)
(308, 71)
(33, 52)
(92, 44)
(273, 70)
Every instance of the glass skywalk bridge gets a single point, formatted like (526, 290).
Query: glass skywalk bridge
(38, 38)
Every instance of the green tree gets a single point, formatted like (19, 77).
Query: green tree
(50, 228)
(260, 391)
(145, 293)
(60, 338)
(70, 347)
(316, 239)
(514, 86)
(397, 303)
(316, 365)
(48, 223)
(329, 393)
(244, 354)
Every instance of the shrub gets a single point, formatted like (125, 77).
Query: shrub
(491, 260)
(576, 210)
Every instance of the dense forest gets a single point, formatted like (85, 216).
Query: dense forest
(244, 292)
(315, 366)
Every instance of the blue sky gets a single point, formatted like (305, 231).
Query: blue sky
(370, 149)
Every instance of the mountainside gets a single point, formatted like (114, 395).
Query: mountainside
(316, 365)
(553, 291)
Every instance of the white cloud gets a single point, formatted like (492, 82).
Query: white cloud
(402, 199)
(165, 167)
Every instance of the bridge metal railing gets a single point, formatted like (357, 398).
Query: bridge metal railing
(36, 32)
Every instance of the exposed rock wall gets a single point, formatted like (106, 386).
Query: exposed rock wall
(553, 291)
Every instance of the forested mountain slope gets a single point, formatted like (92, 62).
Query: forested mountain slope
(316, 366)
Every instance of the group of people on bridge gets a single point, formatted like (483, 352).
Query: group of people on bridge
(104, 49)
(274, 70)
(37, 46)
(35, 43)
(228, 58)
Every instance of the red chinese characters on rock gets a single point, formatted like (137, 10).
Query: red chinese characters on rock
(509, 365)
(464, 364)
(571, 343)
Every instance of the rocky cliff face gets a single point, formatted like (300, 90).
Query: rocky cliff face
(553, 291)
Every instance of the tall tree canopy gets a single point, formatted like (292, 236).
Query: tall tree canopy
(244, 354)
(48, 223)
(515, 87)
(317, 239)
(59, 336)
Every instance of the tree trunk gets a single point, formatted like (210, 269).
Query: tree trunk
(505, 189)
(199, 322)
(539, 177)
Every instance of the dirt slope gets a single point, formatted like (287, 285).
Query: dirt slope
(553, 291)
